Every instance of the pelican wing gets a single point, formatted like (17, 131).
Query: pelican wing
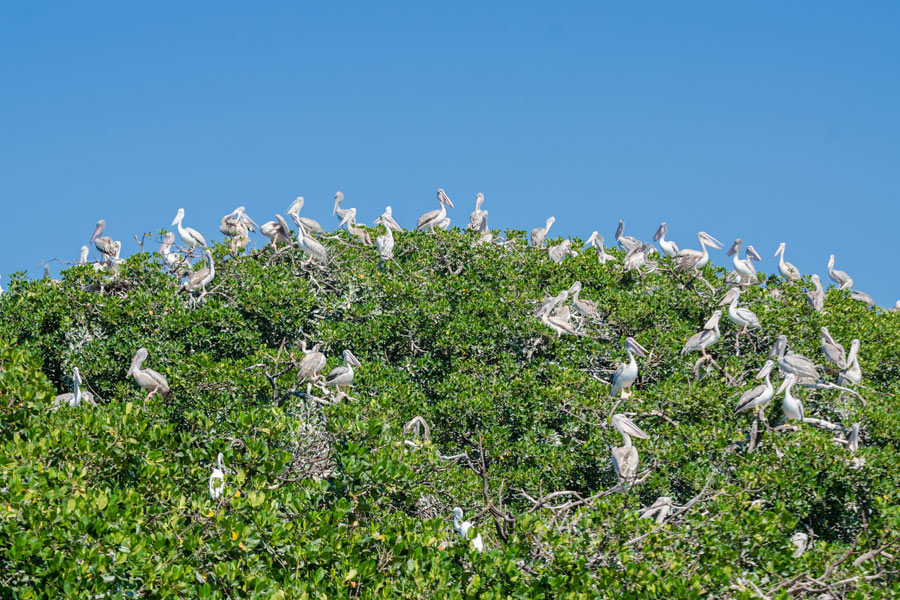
(625, 462)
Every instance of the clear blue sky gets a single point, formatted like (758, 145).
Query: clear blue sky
(771, 121)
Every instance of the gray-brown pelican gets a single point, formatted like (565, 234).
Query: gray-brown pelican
(860, 296)
(625, 458)
(561, 250)
(465, 529)
(313, 362)
(792, 363)
(345, 215)
(104, 244)
(744, 267)
(761, 395)
(201, 277)
(309, 225)
(277, 231)
(477, 220)
(148, 379)
(638, 257)
(74, 398)
(559, 322)
(799, 541)
(385, 243)
(852, 373)
(832, 350)
(342, 376)
(669, 248)
(434, 218)
(313, 249)
(790, 406)
(585, 308)
(844, 281)
(539, 234)
(786, 269)
(190, 236)
(625, 242)
(387, 219)
(551, 303)
(217, 479)
(360, 234)
(627, 372)
(237, 222)
(706, 338)
(596, 240)
(744, 317)
(816, 296)
(694, 259)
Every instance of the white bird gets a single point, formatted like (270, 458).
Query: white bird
(539, 234)
(626, 243)
(552, 303)
(147, 379)
(625, 458)
(862, 297)
(217, 479)
(761, 395)
(171, 258)
(82, 260)
(793, 363)
(895, 308)
(76, 397)
(191, 237)
(435, 218)
(853, 438)
(387, 219)
(799, 541)
(844, 281)
(309, 225)
(832, 350)
(237, 222)
(744, 317)
(478, 218)
(694, 259)
(852, 373)
(705, 338)
(816, 296)
(277, 231)
(669, 248)
(311, 247)
(790, 406)
(465, 528)
(347, 215)
(201, 277)
(342, 376)
(744, 267)
(660, 509)
(627, 372)
(385, 243)
(786, 269)
(560, 323)
(561, 250)
(596, 240)
(638, 257)
(104, 244)
(585, 308)
(313, 362)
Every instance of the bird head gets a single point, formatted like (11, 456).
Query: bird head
(178, 217)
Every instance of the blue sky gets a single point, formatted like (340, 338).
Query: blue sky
(768, 121)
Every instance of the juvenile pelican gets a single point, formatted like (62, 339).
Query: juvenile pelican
(347, 215)
(596, 240)
(104, 244)
(744, 317)
(237, 223)
(310, 225)
(74, 398)
(744, 267)
(799, 541)
(191, 237)
(694, 259)
(585, 308)
(434, 218)
(668, 247)
(638, 257)
(625, 458)
(217, 479)
(465, 528)
(359, 233)
(560, 323)
(538, 234)
(478, 216)
(82, 260)
(626, 373)
(385, 243)
(277, 231)
(832, 350)
(551, 303)
(313, 362)
(706, 338)
(561, 250)
(148, 379)
(792, 407)
(792, 363)
(201, 277)
(786, 269)
(626, 243)
(342, 376)
(844, 281)
(311, 247)
(816, 296)
(759, 396)
(387, 219)
(852, 373)
(171, 258)
(862, 297)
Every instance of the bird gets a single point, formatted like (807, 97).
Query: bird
(310, 225)
(790, 406)
(434, 218)
(694, 259)
(344, 215)
(744, 317)
(844, 281)
(705, 338)
(82, 259)
(852, 373)
(478, 218)
(201, 277)
(191, 237)
(104, 244)
(596, 240)
(626, 243)
(387, 219)
(816, 296)
(895, 308)
(313, 362)
(792, 363)
(561, 250)
(76, 397)
(669, 248)
(385, 243)
(465, 528)
(277, 231)
(172, 259)
(861, 296)
(832, 350)
(744, 267)
(625, 458)
(147, 379)
(237, 222)
(786, 269)
(538, 234)
(660, 509)
(627, 372)
(342, 376)
(310, 246)
(551, 303)
(217, 479)
(359, 233)
(853, 438)
(637, 257)
(585, 308)
(560, 323)
(799, 541)
(761, 395)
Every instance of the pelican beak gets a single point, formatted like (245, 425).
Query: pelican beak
(621, 229)
(659, 232)
(711, 241)
(787, 381)
(734, 247)
(638, 349)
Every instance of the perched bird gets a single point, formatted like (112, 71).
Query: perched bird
(342, 376)
(313, 362)
(172, 259)
(853, 438)
(744, 267)
(816, 296)
(852, 373)
(191, 237)
(844, 281)
(560, 323)
(277, 231)
(76, 397)
(552, 303)
(561, 250)
(638, 257)
(478, 218)
(799, 541)
(237, 223)
(832, 350)
(792, 363)
(387, 219)
(896, 307)
(862, 297)
(596, 240)
(744, 317)
(627, 372)
(385, 243)
(148, 379)
(311, 226)
(625, 458)
(694, 259)
(359, 233)
(311, 247)
(217, 479)
(705, 338)
(82, 259)
(344, 215)
(792, 407)
(626, 243)
(201, 277)
(465, 528)
(104, 244)
(659, 509)
(434, 218)
(669, 248)
(538, 234)
(585, 308)
(786, 269)
(758, 397)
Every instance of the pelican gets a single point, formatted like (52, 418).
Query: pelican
(387, 219)
(660, 509)
(538, 234)
(862, 297)
(895, 308)
(638, 256)
(551, 303)
(82, 260)
(200, 278)
(277, 231)
(668, 247)
(434, 218)
(626, 243)
(759, 396)
(694, 259)
(385, 243)
(148, 379)
(217, 479)
(744, 267)
(585, 308)
(832, 350)
(792, 407)
(706, 338)
(816, 296)
(311, 225)
(853, 438)
(484, 237)
(237, 223)
(464, 528)
(342, 376)
(852, 373)
(560, 323)
(77, 397)
(191, 237)
(626, 373)
(313, 362)
(172, 259)
(313, 249)
(625, 457)
(786, 269)
(800, 541)
(596, 240)
(561, 250)
(791, 363)
(478, 218)
(844, 281)
(104, 244)
(359, 233)
(344, 215)
(744, 317)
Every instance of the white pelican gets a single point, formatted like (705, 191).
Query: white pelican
(560, 323)
(759, 396)
(201, 277)
(625, 458)
(310, 225)
(625, 242)
(786, 269)
(668, 247)
(385, 243)
(538, 234)
(148, 379)
(792, 363)
(862, 297)
(744, 267)
(816, 296)
(844, 281)
(464, 529)
(387, 219)
(434, 218)
(342, 376)
(217, 479)
(585, 308)
(852, 372)
(799, 541)
(191, 237)
(626, 373)
(237, 222)
(344, 215)
(551, 303)
(832, 350)
(477, 220)
(706, 338)
(313, 249)
(77, 397)
(313, 362)
(596, 240)
(105, 244)
(660, 509)
(694, 259)
(561, 250)
(792, 407)
(638, 257)
(277, 231)
(82, 260)
(744, 317)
